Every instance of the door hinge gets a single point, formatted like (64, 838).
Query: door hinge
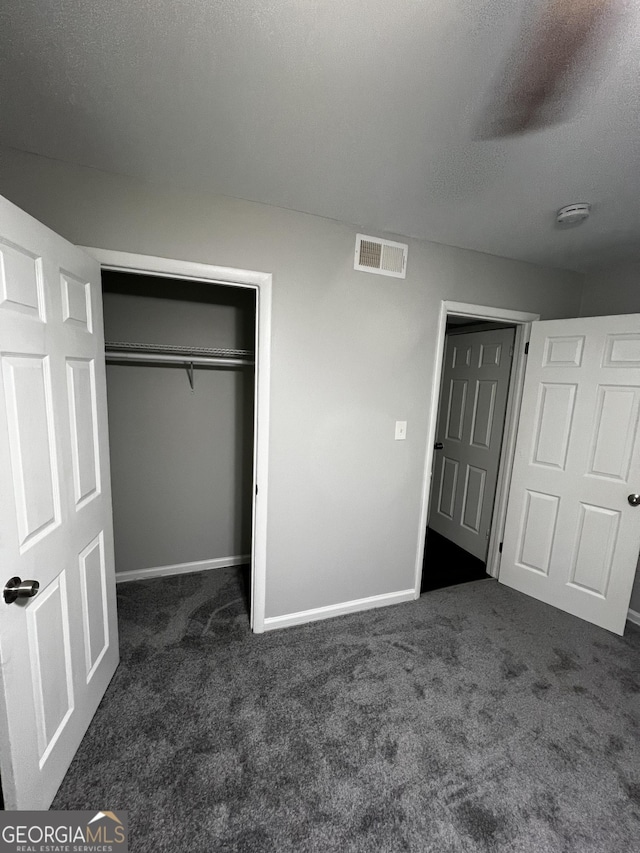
(500, 548)
(526, 348)
(256, 489)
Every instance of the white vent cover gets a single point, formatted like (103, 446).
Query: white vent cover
(383, 257)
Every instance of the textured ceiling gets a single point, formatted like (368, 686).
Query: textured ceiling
(360, 110)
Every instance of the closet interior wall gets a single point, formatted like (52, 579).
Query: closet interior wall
(181, 459)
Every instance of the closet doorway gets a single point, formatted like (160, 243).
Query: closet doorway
(187, 351)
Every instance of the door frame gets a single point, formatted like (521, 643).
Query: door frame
(261, 283)
(522, 321)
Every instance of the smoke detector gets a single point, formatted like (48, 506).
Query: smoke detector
(573, 214)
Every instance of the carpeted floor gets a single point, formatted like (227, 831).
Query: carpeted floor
(474, 719)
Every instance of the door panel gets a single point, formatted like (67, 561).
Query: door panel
(472, 498)
(448, 485)
(51, 664)
(540, 515)
(83, 417)
(483, 413)
(622, 350)
(470, 424)
(571, 536)
(58, 650)
(457, 398)
(29, 416)
(552, 428)
(614, 432)
(76, 302)
(95, 604)
(21, 281)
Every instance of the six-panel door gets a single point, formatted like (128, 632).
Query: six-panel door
(59, 649)
(572, 537)
(473, 397)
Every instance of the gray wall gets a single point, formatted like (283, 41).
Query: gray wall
(351, 353)
(615, 290)
(181, 460)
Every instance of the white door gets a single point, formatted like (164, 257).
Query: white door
(473, 398)
(571, 536)
(59, 649)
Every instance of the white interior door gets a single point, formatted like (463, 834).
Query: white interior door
(475, 382)
(571, 536)
(58, 649)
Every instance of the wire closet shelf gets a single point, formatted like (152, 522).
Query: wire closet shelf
(190, 357)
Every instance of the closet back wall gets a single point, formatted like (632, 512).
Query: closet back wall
(181, 460)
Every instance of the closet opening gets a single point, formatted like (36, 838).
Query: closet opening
(181, 385)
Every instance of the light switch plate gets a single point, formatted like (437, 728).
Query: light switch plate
(401, 430)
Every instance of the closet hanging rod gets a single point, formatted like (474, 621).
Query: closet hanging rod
(114, 355)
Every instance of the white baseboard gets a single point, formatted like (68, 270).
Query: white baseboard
(272, 622)
(634, 617)
(181, 568)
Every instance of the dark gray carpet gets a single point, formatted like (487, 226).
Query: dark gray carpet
(474, 719)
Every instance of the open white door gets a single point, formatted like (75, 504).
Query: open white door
(572, 531)
(58, 649)
(473, 399)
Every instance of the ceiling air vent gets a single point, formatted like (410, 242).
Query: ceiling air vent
(383, 257)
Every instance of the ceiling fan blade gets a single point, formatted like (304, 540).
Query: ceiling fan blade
(543, 74)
